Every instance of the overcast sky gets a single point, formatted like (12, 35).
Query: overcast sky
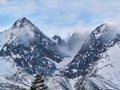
(60, 16)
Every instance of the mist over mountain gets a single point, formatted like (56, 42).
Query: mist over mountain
(89, 62)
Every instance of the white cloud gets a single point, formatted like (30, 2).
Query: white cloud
(64, 16)
(95, 9)
(63, 11)
(50, 30)
(18, 9)
(65, 32)
(52, 4)
(114, 24)
(3, 1)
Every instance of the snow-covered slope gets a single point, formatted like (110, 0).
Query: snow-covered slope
(105, 73)
(58, 83)
(6, 84)
(7, 66)
(109, 64)
(4, 37)
(95, 82)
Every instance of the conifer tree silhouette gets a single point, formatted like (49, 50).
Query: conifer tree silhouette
(38, 84)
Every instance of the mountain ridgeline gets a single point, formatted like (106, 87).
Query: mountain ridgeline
(98, 42)
(95, 65)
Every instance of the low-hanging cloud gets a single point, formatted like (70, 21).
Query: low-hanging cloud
(24, 35)
(74, 40)
(113, 24)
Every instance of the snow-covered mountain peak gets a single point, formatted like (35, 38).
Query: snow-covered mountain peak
(23, 30)
(30, 48)
(58, 40)
(25, 25)
(100, 30)
(22, 22)
(102, 27)
(105, 33)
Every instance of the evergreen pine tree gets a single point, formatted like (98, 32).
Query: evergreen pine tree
(38, 83)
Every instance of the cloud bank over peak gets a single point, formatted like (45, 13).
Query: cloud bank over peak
(62, 17)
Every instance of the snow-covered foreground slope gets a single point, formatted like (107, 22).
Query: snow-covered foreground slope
(6, 84)
(58, 83)
(22, 81)
(109, 64)
(95, 82)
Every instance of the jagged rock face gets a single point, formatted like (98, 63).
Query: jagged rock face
(58, 40)
(31, 49)
(90, 51)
